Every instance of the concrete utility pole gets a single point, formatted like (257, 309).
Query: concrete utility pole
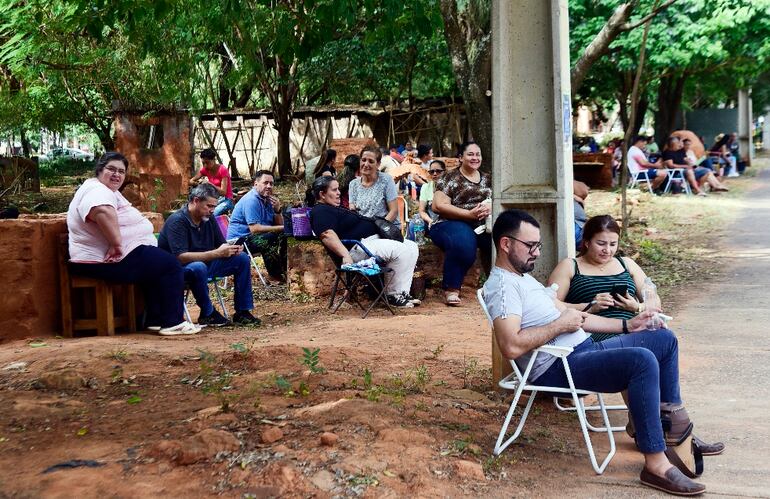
(532, 125)
(745, 128)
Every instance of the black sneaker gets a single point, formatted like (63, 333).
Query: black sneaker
(399, 301)
(215, 319)
(411, 299)
(244, 318)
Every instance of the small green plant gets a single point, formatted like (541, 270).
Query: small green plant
(303, 389)
(367, 378)
(119, 354)
(157, 188)
(216, 382)
(470, 370)
(311, 361)
(437, 351)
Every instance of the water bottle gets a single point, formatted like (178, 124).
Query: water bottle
(419, 229)
(650, 297)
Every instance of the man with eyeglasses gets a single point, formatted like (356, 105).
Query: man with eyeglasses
(646, 363)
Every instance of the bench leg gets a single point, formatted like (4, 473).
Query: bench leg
(105, 310)
(131, 307)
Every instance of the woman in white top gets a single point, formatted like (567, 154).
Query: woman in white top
(374, 193)
(110, 239)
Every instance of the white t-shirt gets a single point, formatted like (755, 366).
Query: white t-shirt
(87, 243)
(635, 157)
(507, 293)
(388, 164)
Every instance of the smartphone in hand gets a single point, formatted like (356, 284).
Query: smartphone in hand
(619, 290)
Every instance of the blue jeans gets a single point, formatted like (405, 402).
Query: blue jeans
(157, 272)
(197, 274)
(459, 243)
(224, 205)
(646, 364)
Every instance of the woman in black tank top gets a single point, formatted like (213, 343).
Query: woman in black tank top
(587, 282)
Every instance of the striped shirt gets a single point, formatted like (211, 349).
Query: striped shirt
(584, 288)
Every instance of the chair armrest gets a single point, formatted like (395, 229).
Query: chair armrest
(555, 350)
(355, 242)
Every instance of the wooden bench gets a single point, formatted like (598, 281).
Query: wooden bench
(90, 304)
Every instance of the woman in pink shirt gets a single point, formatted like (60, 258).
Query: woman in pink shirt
(111, 240)
(218, 176)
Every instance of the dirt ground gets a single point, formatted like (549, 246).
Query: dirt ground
(388, 406)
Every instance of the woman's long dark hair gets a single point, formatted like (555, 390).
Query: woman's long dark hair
(352, 164)
(328, 156)
(595, 225)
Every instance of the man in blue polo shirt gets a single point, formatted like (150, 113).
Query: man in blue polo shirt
(257, 220)
(193, 236)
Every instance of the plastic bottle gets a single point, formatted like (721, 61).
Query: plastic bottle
(419, 229)
(650, 297)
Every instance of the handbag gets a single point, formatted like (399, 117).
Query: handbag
(387, 230)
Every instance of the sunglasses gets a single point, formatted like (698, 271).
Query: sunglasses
(435, 172)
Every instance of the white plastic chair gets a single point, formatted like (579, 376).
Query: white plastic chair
(518, 382)
(641, 176)
(677, 174)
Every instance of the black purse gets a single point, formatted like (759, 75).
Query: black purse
(387, 230)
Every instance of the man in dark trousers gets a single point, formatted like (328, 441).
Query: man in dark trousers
(193, 236)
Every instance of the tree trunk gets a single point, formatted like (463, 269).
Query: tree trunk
(283, 126)
(105, 137)
(472, 68)
(669, 101)
(26, 149)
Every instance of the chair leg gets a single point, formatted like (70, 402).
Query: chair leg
(591, 408)
(500, 446)
(105, 310)
(131, 308)
(599, 468)
(334, 292)
(221, 301)
(187, 315)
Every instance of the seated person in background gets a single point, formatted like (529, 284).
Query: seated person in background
(704, 172)
(332, 224)
(460, 199)
(675, 157)
(424, 156)
(387, 163)
(586, 282)
(720, 152)
(395, 154)
(436, 170)
(193, 236)
(257, 220)
(110, 239)
(646, 363)
(579, 195)
(374, 193)
(325, 165)
(218, 176)
(637, 162)
(349, 172)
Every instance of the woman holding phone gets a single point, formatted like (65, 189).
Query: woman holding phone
(598, 281)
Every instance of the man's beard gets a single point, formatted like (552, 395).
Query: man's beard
(522, 267)
(205, 219)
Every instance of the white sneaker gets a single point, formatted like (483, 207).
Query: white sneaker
(180, 329)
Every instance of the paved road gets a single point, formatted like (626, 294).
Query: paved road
(725, 345)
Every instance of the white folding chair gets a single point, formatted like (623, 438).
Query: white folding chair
(677, 174)
(641, 176)
(215, 281)
(518, 382)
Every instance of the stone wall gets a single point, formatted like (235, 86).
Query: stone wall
(30, 306)
(156, 176)
(311, 271)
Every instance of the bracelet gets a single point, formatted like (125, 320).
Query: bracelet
(625, 326)
(640, 308)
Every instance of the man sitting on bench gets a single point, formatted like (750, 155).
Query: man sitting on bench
(193, 236)
(645, 363)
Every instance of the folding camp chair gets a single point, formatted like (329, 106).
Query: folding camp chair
(518, 382)
(351, 279)
(676, 175)
(215, 281)
(641, 176)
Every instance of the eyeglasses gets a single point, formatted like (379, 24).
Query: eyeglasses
(532, 246)
(435, 172)
(114, 170)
